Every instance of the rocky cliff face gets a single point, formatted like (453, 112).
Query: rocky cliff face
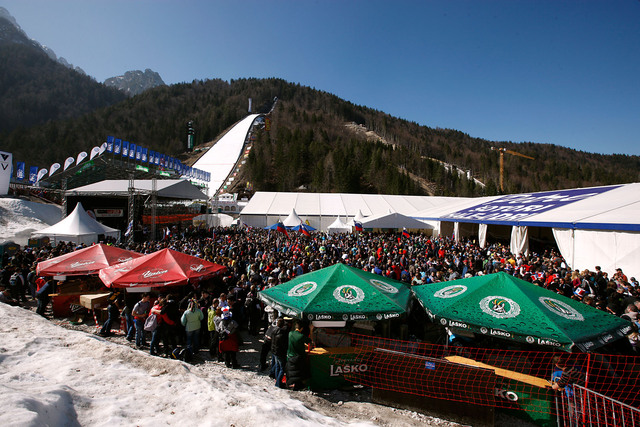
(135, 82)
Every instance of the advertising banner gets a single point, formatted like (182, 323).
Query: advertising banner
(132, 151)
(41, 174)
(81, 157)
(110, 144)
(33, 174)
(103, 148)
(144, 157)
(54, 167)
(68, 163)
(6, 163)
(138, 153)
(20, 170)
(94, 152)
(116, 146)
(125, 148)
(516, 207)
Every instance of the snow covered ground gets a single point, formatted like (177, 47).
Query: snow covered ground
(53, 376)
(19, 218)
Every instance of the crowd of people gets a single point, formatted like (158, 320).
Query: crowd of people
(213, 314)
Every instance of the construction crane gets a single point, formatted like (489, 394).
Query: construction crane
(502, 151)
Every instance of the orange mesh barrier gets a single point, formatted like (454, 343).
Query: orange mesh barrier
(501, 378)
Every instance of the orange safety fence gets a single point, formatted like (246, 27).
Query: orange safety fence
(169, 219)
(501, 378)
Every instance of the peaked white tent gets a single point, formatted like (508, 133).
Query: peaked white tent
(292, 220)
(338, 226)
(78, 227)
(394, 221)
(359, 217)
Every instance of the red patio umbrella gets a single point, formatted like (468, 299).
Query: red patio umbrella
(165, 267)
(85, 261)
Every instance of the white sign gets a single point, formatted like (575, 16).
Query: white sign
(6, 161)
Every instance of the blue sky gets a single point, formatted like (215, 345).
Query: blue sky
(545, 71)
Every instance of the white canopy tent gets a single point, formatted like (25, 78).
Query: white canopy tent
(292, 220)
(213, 220)
(79, 228)
(338, 226)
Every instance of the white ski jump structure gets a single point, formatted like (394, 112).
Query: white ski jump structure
(221, 159)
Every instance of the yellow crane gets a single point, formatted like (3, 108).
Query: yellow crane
(502, 151)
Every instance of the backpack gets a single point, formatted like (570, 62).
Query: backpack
(13, 280)
(151, 323)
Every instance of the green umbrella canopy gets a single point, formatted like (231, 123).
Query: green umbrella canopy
(503, 306)
(339, 292)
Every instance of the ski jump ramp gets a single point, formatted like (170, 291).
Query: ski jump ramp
(221, 158)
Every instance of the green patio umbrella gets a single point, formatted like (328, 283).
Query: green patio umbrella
(339, 292)
(503, 306)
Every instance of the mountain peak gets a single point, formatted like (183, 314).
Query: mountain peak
(135, 82)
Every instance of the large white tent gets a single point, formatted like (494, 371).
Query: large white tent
(78, 227)
(321, 209)
(591, 226)
(169, 188)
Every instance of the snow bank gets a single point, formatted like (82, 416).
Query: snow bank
(19, 218)
(50, 375)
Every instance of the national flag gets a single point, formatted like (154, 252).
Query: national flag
(405, 233)
(304, 230)
(167, 233)
(357, 225)
(129, 229)
(281, 228)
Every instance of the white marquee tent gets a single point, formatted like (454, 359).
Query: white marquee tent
(292, 220)
(321, 209)
(338, 226)
(591, 226)
(78, 227)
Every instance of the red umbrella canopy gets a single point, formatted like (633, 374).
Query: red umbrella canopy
(85, 261)
(165, 267)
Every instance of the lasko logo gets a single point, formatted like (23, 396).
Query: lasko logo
(153, 273)
(561, 308)
(302, 289)
(450, 291)
(335, 371)
(500, 307)
(348, 294)
(384, 287)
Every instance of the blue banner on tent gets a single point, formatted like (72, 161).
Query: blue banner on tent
(516, 207)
